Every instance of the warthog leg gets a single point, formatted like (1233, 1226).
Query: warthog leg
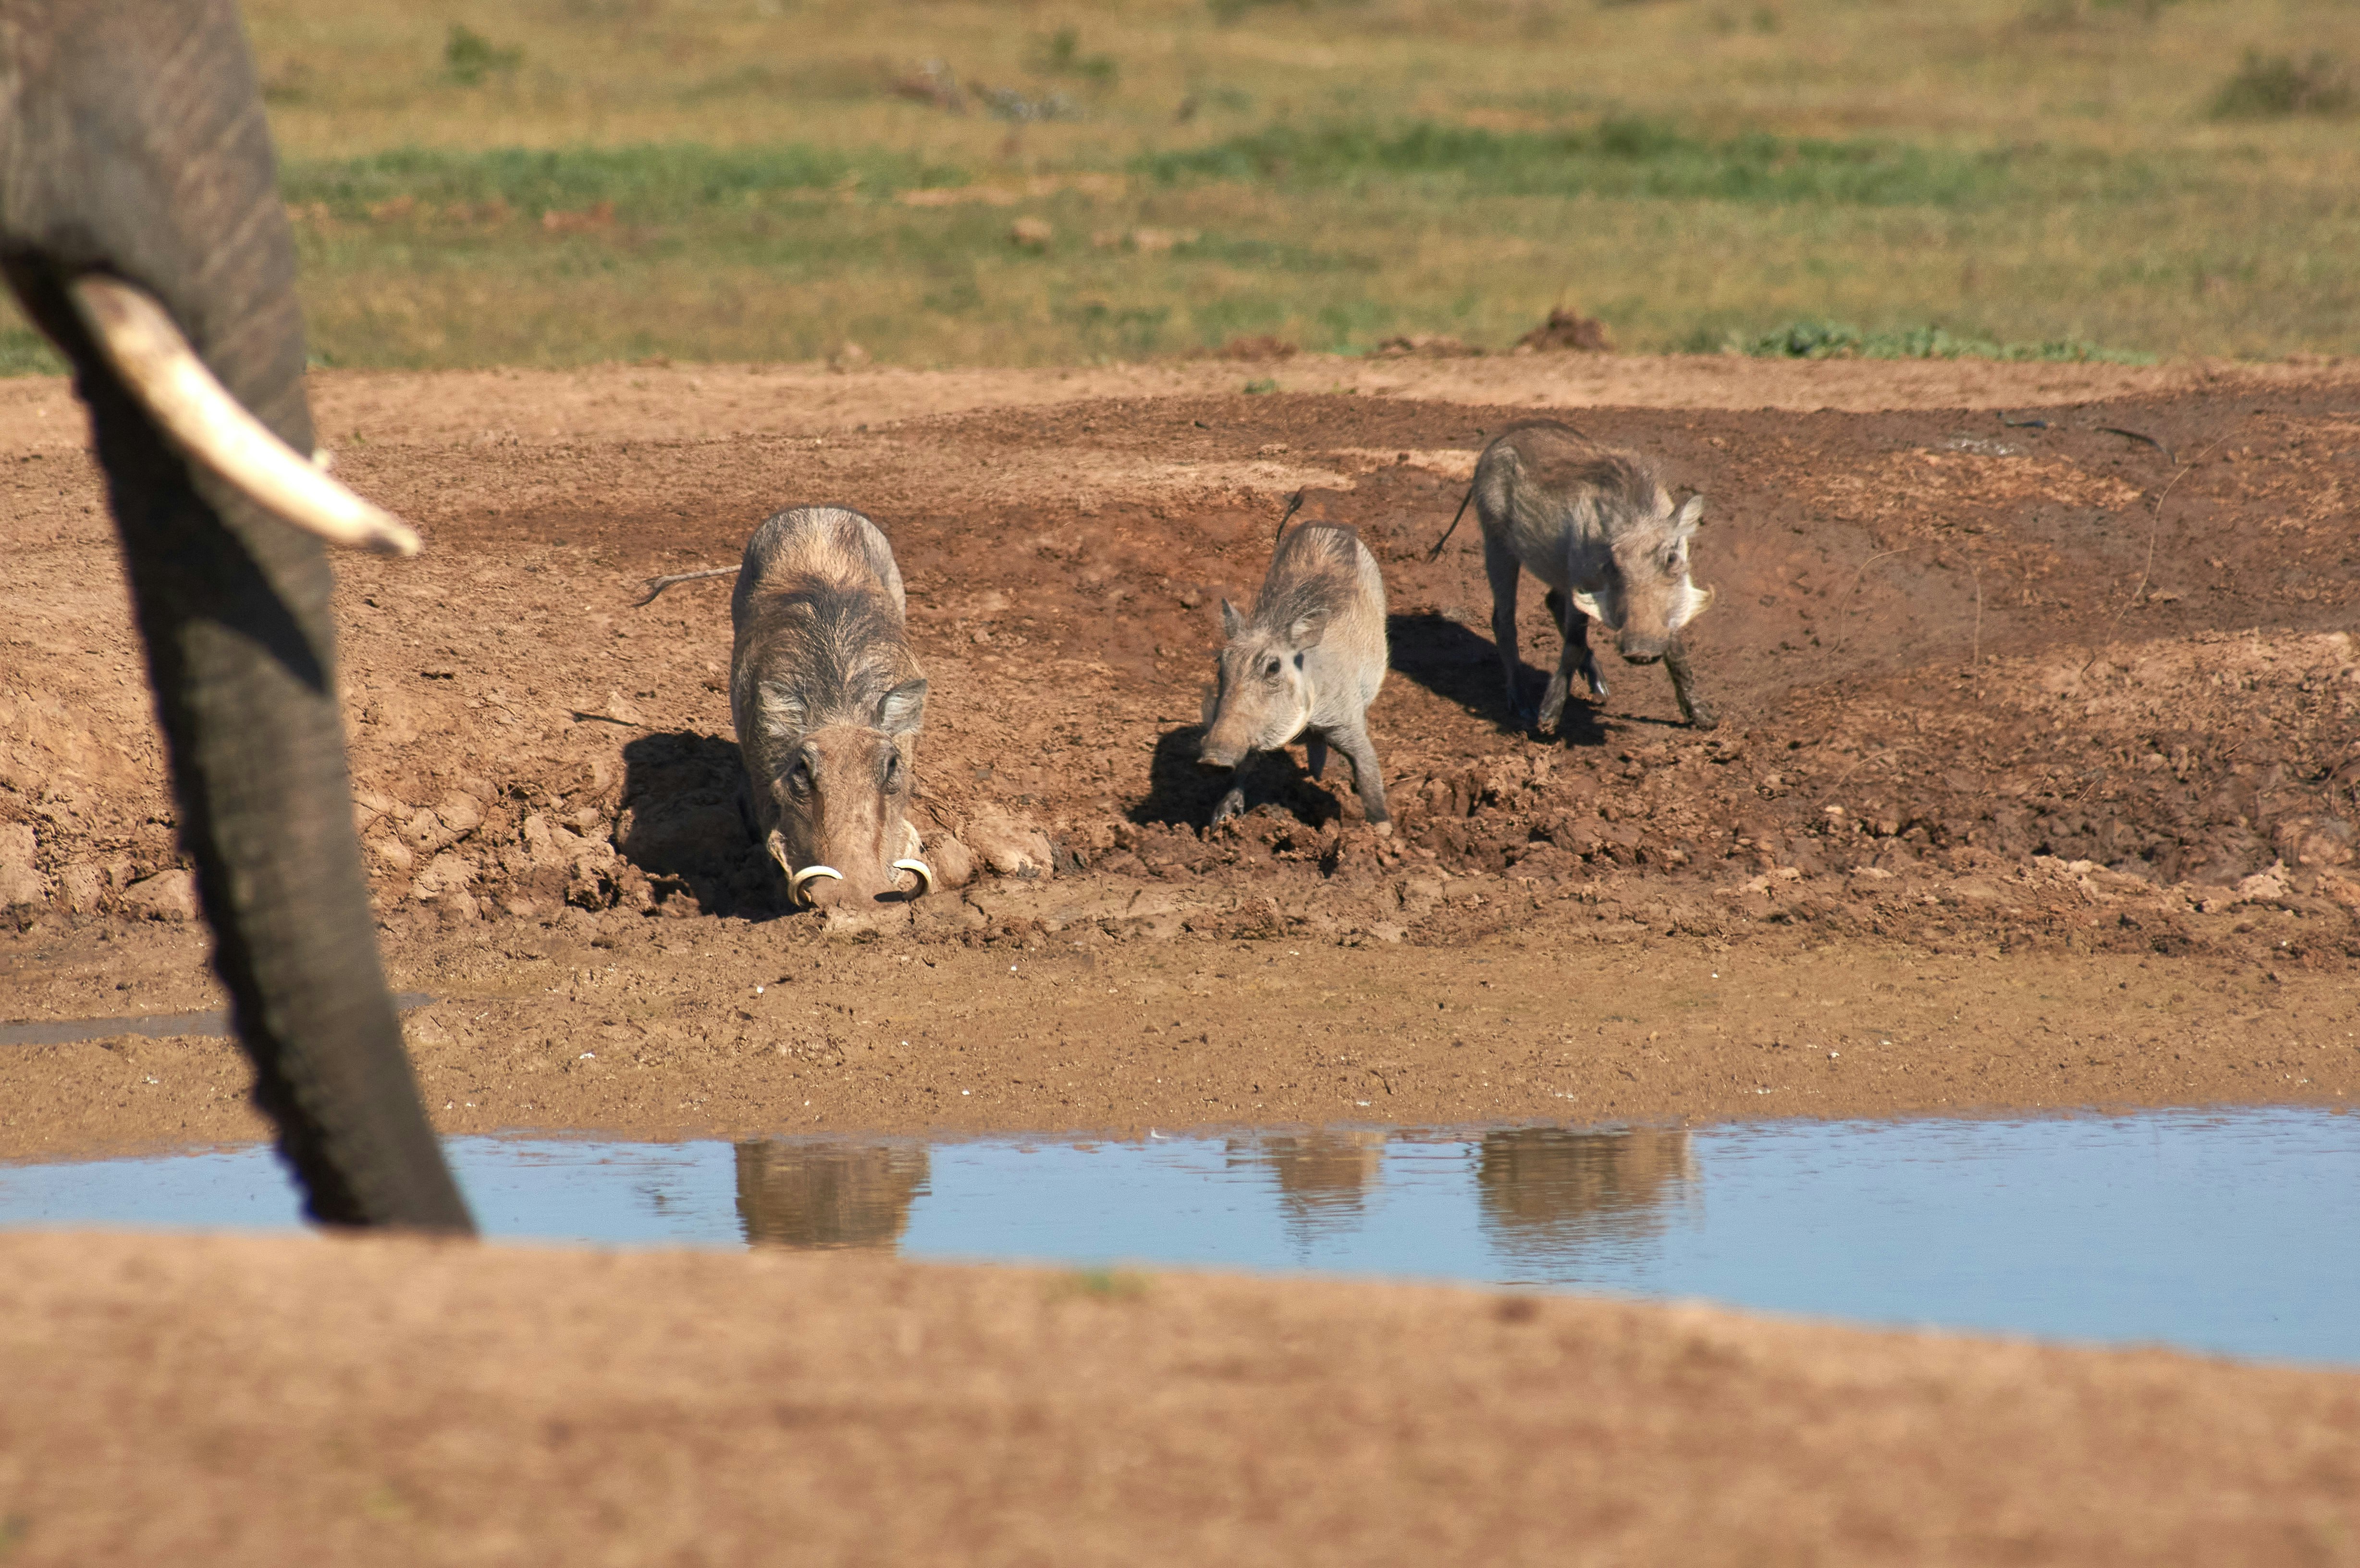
(1500, 565)
(1368, 778)
(1314, 755)
(1692, 707)
(1575, 654)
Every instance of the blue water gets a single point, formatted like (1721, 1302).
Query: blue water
(2236, 1232)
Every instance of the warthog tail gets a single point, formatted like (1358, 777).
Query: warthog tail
(658, 584)
(1293, 504)
(1435, 553)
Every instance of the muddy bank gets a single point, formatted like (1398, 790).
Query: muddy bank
(664, 1028)
(2031, 686)
(289, 1402)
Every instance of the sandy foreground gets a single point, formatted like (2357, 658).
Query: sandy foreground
(2035, 788)
(297, 1401)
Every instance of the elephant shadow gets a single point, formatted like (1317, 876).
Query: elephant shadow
(1182, 793)
(1455, 664)
(685, 824)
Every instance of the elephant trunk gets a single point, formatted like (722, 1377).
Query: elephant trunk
(133, 144)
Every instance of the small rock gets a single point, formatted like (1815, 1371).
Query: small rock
(83, 886)
(446, 873)
(167, 895)
(953, 862)
(1012, 847)
(20, 877)
(461, 813)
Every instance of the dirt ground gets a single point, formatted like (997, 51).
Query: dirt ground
(2036, 787)
(298, 1401)
(2068, 684)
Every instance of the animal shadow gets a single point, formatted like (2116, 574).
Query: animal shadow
(1450, 660)
(685, 824)
(1181, 793)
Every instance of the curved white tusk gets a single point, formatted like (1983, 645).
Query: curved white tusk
(795, 883)
(208, 424)
(926, 874)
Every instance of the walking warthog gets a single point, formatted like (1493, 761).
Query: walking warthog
(1310, 657)
(1593, 524)
(828, 701)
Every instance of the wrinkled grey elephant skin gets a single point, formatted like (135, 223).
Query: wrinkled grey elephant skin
(132, 142)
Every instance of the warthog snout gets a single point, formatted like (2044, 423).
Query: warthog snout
(1635, 651)
(1217, 756)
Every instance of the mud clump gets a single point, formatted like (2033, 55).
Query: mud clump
(1567, 331)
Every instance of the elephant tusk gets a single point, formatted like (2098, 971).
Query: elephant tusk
(795, 883)
(926, 874)
(208, 424)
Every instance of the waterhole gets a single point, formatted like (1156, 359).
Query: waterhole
(2232, 1232)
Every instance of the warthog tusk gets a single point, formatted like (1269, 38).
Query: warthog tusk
(208, 424)
(926, 874)
(795, 883)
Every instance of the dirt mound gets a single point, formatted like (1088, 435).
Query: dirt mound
(1567, 331)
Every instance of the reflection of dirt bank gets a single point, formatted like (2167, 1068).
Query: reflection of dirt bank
(281, 1401)
(794, 1193)
(1545, 1191)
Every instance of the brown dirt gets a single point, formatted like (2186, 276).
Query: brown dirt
(267, 1402)
(1965, 717)
(2036, 787)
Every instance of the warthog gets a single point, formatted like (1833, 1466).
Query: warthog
(1593, 524)
(1309, 659)
(828, 701)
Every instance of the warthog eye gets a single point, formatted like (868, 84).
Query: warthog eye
(799, 777)
(892, 769)
(1270, 670)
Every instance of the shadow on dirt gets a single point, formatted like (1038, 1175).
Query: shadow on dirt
(1458, 666)
(683, 824)
(1182, 794)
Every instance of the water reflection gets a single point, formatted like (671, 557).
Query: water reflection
(1323, 1177)
(803, 1193)
(2199, 1228)
(1547, 1194)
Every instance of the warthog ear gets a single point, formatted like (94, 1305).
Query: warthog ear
(1231, 622)
(782, 710)
(901, 709)
(1308, 630)
(1683, 522)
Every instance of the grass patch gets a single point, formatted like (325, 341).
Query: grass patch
(24, 352)
(635, 184)
(2275, 87)
(1832, 339)
(1617, 157)
(613, 180)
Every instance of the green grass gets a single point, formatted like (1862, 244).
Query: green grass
(1833, 340)
(644, 183)
(561, 181)
(1618, 156)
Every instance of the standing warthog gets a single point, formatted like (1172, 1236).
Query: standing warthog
(1592, 523)
(828, 701)
(1310, 657)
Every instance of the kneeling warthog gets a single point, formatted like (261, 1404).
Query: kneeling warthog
(1310, 657)
(1594, 525)
(828, 701)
